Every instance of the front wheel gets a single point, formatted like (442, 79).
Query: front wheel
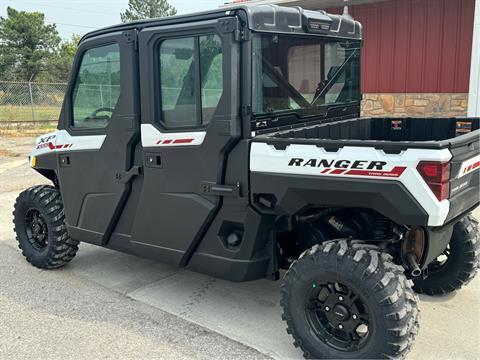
(457, 265)
(346, 299)
(39, 221)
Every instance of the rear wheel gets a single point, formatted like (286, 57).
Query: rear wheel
(40, 228)
(457, 265)
(349, 300)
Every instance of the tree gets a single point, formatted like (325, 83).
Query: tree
(146, 9)
(27, 44)
(61, 63)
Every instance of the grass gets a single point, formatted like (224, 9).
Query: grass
(24, 113)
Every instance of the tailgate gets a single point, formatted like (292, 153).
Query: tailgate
(464, 176)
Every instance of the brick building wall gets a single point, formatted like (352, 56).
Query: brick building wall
(419, 104)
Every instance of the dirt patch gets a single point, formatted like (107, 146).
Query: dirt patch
(8, 153)
(26, 132)
(15, 171)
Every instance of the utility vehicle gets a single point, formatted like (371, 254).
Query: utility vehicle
(230, 142)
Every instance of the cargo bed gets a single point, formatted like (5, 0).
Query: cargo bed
(388, 133)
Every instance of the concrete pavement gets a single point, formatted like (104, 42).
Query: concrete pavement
(108, 304)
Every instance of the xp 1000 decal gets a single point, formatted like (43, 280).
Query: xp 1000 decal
(61, 140)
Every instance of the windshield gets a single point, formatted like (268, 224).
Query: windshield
(303, 74)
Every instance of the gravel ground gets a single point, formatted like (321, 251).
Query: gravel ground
(110, 305)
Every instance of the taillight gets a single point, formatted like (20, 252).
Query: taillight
(437, 177)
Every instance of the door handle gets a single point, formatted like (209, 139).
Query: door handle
(153, 160)
(210, 188)
(64, 160)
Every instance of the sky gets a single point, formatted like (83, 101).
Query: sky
(81, 16)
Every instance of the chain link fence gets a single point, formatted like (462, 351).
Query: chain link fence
(23, 103)
(30, 101)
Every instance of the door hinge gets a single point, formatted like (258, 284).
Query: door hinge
(131, 36)
(228, 24)
(126, 176)
(241, 32)
(210, 188)
(246, 110)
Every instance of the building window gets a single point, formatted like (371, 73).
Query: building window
(191, 80)
(97, 87)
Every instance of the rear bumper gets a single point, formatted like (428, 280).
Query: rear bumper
(439, 237)
(470, 200)
(464, 195)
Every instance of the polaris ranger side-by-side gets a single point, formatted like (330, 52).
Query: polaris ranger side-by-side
(230, 143)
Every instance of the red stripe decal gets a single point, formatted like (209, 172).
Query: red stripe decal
(182, 141)
(395, 172)
(52, 146)
(338, 171)
(174, 141)
(471, 167)
(325, 171)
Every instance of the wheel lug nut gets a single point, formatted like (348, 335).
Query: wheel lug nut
(354, 316)
(327, 308)
(340, 298)
(340, 326)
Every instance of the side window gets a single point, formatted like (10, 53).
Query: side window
(177, 74)
(191, 80)
(97, 87)
(211, 71)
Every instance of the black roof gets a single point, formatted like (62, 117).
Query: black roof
(262, 17)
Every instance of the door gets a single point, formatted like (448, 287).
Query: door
(100, 123)
(190, 121)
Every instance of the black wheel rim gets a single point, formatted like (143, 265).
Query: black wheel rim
(440, 262)
(36, 228)
(338, 316)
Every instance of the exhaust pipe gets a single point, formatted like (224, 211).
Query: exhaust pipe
(412, 265)
(413, 249)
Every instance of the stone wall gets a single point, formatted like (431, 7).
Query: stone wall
(404, 105)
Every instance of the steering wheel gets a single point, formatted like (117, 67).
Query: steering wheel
(103, 109)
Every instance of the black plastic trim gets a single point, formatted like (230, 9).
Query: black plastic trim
(464, 140)
(295, 192)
